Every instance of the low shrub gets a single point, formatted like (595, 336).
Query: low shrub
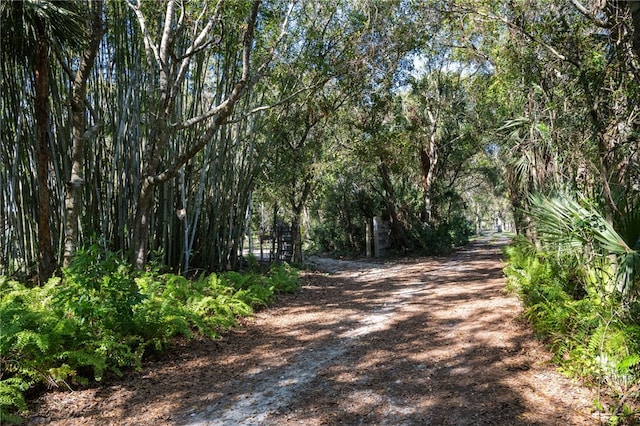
(103, 316)
(592, 335)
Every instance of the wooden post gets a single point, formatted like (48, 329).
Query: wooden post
(368, 238)
(376, 231)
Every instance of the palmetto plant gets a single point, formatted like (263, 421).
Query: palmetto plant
(577, 227)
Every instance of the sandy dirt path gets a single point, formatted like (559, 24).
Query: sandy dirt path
(423, 341)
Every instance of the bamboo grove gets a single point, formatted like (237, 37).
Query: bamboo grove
(163, 130)
(153, 132)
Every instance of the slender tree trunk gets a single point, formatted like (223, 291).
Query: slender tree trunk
(73, 188)
(296, 220)
(159, 116)
(79, 128)
(605, 147)
(47, 262)
(428, 160)
(182, 215)
(143, 224)
(4, 223)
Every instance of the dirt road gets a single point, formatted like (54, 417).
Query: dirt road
(428, 341)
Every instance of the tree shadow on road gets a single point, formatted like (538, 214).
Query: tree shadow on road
(425, 342)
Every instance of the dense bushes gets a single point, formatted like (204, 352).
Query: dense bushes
(340, 214)
(580, 283)
(443, 237)
(102, 316)
(593, 333)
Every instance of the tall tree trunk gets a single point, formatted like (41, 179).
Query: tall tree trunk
(297, 209)
(605, 147)
(47, 262)
(428, 160)
(142, 223)
(79, 130)
(398, 230)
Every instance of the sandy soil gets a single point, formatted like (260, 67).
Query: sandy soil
(421, 341)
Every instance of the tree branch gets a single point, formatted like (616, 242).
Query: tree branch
(531, 37)
(583, 10)
(165, 42)
(245, 76)
(222, 111)
(280, 102)
(197, 45)
(281, 36)
(149, 45)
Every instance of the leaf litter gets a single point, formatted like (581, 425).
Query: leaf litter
(412, 341)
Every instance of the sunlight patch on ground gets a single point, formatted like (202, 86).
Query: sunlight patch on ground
(264, 395)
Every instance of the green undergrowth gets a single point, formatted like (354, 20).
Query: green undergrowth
(444, 237)
(593, 332)
(101, 316)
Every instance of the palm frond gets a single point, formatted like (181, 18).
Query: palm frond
(64, 22)
(570, 225)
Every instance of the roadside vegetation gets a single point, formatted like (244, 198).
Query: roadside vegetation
(578, 279)
(102, 317)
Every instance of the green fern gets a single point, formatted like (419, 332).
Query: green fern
(12, 399)
(628, 364)
(102, 316)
